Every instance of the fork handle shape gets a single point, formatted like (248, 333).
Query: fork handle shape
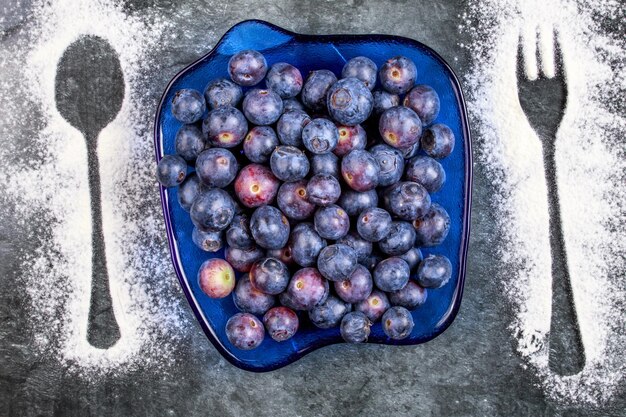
(102, 329)
(566, 355)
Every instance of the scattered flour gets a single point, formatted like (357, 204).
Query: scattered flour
(49, 188)
(591, 170)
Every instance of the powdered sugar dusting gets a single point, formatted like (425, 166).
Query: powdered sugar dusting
(50, 188)
(591, 172)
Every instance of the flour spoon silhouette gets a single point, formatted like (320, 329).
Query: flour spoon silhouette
(89, 90)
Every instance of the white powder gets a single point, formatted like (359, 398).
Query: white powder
(52, 184)
(591, 171)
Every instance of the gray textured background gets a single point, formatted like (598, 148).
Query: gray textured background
(472, 369)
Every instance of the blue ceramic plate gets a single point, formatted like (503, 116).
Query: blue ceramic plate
(308, 53)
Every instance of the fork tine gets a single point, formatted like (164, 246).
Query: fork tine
(558, 56)
(546, 50)
(529, 49)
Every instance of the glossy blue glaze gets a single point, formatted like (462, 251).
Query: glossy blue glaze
(310, 53)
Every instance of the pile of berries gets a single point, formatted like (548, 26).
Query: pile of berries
(288, 181)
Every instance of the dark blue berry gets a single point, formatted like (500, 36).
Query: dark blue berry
(189, 142)
(290, 126)
(398, 74)
(247, 68)
(400, 127)
(281, 323)
(424, 101)
(320, 136)
(374, 306)
(285, 79)
(400, 239)
(212, 210)
(249, 299)
(315, 88)
(328, 314)
(238, 234)
(270, 276)
(262, 107)
(188, 106)
(225, 127)
(222, 92)
(323, 189)
(306, 289)
(355, 327)
(397, 323)
(391, 274)
(426, 171)
(362, 247)
(354, 202)
(391, 163)
(373, 224)
(407, 200)
(349, 101)
(438, 141)
(207, 241)
(384, 100)
(362, 68)
(410, 297)
(245, 331)
(292, 104)
(331, 222)
(270, 228)
(412, 257)
(371, 261)
(216, 167)
(243, 259)
(350, 138)
(434, 271)
(327, 163)
(433, 228)
(259, 144)
(306, 244)
(337, 262)
(360, 170)
(289, 163)
(171, 170)
(188, 190)
(292, 200)
(357, 288)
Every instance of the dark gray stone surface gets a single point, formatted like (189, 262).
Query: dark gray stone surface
(471, 369)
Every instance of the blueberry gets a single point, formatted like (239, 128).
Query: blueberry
(398, 74)
(189, 142)
(222, 92)
(400, 127)
(320, 136)
(357, 288)
(410, 297)
(259, 144)
(323, 189)
(328, 314)
(433, 228)
(327, 163)
(216, 278)
(350, 138)
(262, 107)
(188, 190)
(292, 104)
(247, 68)
(245, 331)
(306, 289)
(238, 234)
(397, 323)
(371, 261)
(391, 274)
(293, 202)
(391, 163)
(400, 239)
(188, 105)
(362, 247)
(407, 200)
(438, 141)
(426, 171)
(424, 101)
(269, 227)
(315, 88)
(289, 163)
(285, 79)
(216, 167)
(269, 275)
(362, 68)
(331, 222)
(355, 327)
(225, 127)
(249, 299)
(349, 101)
(281, 323)
(305, 244)
(384, 100)
(171, 170)
(243, 259)
(290, 127)
(434, 271)
(412, 257)
(354, 202)
(212, 210)
(373, 224)
(374, 306)
(360, 170)
(255, 185)
(283, 254)
(411, 151)
(207, 241)
(337, 262)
